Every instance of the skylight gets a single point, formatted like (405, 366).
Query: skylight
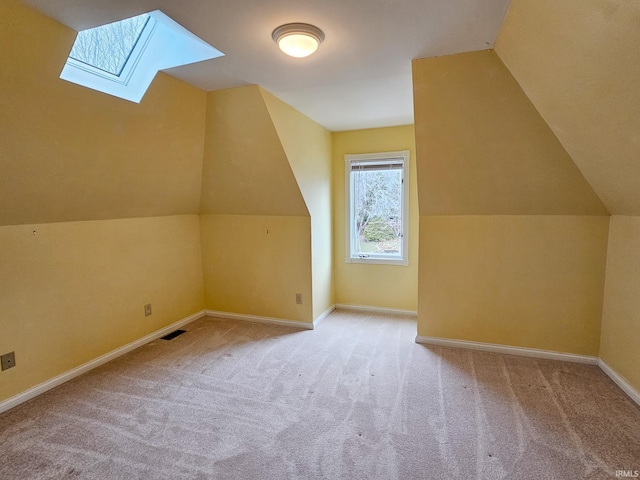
(122, 58)
(108, 47)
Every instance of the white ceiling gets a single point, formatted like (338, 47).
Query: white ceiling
(360, 77)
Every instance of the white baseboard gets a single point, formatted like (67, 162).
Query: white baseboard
(85, 367)
(323, 315)
(620, 381)
(257, 319)
(521, 351)
(486, 347)
(366, 308)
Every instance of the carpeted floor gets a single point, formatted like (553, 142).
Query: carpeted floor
(354, 399)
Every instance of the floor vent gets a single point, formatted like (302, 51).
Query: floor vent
(173, 335)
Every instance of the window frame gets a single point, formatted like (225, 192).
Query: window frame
(130, 64)
(133, 57)
(351, 256)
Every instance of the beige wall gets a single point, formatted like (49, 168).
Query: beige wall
(621, 317)
(382, 286)
(308, 148)
(255, 265)
(74, 291)
(528, 281)
(70, 153)
(577, 60)
(483, 149)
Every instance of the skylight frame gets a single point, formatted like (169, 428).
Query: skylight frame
(163, 44)
(131, 50)
(130, 63)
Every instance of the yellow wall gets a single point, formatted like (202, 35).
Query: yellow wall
(577, 60)
(111, 189)
(70, 153)
(248, 187)
(528, 281)
(255, 265)
(483, 149)
(74, 291)
(621, 316)
(382, 286)
(512, 237)
(246, 171)
(308, 148)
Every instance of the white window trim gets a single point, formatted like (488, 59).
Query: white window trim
(350, 257)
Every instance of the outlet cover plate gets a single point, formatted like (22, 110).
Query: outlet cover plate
(147, 310)
(8, 360)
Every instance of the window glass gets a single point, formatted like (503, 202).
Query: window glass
(108, 47)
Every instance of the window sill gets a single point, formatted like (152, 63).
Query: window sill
(403, 262)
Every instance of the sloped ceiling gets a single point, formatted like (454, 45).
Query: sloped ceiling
(483, 149)
(578, 61)
(246, 170)
(359, 78)
(308, 149)
(68, 153)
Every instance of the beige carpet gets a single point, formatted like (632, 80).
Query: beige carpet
(354, 399)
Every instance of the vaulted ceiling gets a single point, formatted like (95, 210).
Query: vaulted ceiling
(359, 78)
(576, 61)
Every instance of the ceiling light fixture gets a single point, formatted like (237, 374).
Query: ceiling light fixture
(298, 39)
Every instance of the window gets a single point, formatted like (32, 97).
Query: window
(377, 198)
(122, 58)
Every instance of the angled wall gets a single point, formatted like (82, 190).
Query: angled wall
(483, 147)
(255, 225)
(308, 149)
(69, 153)
(577, 61)
(246, 170)
(98, 206)
(512, 237)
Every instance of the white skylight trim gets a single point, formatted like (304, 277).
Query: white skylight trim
(161, 44)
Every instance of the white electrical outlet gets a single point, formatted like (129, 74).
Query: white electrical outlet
(147, 310)
(299, 298)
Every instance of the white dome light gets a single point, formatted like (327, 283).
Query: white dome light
(298, 39)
